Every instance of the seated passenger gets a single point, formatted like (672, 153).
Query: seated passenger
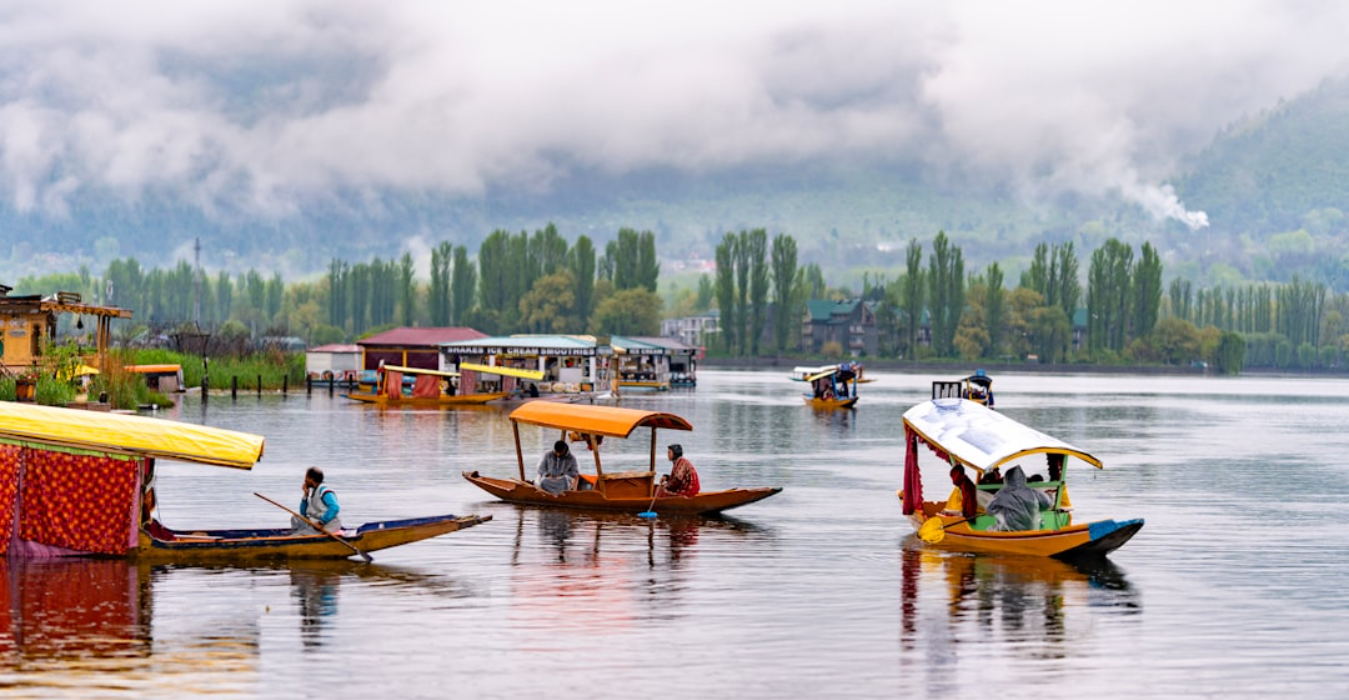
(557, 470)
(682, 479)
(968, 499)
(1017, 506)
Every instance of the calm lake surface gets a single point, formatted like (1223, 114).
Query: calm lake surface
(1234, 588)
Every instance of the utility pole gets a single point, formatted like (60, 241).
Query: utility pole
(196, 283)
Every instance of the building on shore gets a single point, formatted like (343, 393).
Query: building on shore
(411, 346)
(28, 327)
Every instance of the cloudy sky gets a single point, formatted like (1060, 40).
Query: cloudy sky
(264, 106)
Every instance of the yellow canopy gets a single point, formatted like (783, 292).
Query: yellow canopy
(596, 420)
(418, 370)
(112, 432)
(503, 371)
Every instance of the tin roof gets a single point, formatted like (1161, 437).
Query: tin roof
(336, 348)
(523, 343)
(427, 337)
(674, 345)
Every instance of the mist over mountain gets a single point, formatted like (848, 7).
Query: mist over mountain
(286, 133)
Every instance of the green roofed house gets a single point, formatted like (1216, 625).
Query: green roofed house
(850, 323)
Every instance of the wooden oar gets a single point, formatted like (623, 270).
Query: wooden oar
(318, 527)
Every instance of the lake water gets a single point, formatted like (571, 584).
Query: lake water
(1234, 588)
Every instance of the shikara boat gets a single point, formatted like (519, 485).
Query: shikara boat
(268, 544)
(966, 433)
(81, 483)
(977, 387)
(628, 491)
(832, 386)
(433, 388)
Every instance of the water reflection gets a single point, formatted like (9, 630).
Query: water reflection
(1026, 602)
(315, 590)
(88, 608)
(604, 572)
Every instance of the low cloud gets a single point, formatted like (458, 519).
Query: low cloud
(264, 108)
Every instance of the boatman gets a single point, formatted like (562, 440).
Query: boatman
(557, 470)
(319, 505)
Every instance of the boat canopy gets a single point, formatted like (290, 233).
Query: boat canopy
(595, 420)
(503, 371)
(112, 432)
(810, 374)
(982, 438)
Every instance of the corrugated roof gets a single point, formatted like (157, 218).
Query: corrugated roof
(410, 336)
(524, 342)
(335, 348)
(673, 345)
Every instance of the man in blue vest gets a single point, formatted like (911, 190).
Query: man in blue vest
(319, 505)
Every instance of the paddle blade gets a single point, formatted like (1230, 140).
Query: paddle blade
(648, 514)
(932, 531)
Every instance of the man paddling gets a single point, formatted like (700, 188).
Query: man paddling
(319, 505)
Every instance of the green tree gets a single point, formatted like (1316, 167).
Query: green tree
(913, 298)
(995, 309)
(705, 294)
(725, 288)
(1108, 296)
(755, 244)
(438, 294)
(581, 262)
(634, 311)
(1147, 291)
(1230, 354)
(463, 282)
(407, 290)
(946, 289)
(550, 306)
(784, 279)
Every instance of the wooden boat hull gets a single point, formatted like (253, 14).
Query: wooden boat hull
(464, 400)
(643, 385)
(280, 544)
(829, 403)
(519, 492)
(1094, 539)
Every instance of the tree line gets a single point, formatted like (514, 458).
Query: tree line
(540, 282)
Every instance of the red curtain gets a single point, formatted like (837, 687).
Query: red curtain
(468, 382)
(913, 480)
(9, 488)
(80, 502)
(427, 387)
(393, 384)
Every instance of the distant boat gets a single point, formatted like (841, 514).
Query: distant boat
(433, 388)
(832, 386)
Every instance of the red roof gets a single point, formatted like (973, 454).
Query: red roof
(426, 337)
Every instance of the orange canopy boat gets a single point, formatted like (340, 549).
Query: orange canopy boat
(629, 491)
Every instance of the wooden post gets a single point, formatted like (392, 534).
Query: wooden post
(234, 387)
(259, 385)
(519, 456)
(652, 491)
(285, 384)
(308, 385)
